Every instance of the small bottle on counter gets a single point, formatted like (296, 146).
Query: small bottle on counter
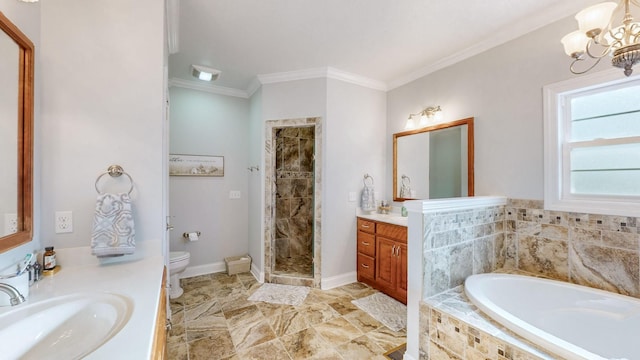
(49, 258)
(404, 211)
(37, 271)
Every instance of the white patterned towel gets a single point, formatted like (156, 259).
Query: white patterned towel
(113, 229)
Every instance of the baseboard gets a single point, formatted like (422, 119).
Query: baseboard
(408, 357)
(259, 275)
(339, 280)
(192, 271)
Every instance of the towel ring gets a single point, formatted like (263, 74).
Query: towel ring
(367, 177)
(114, 171)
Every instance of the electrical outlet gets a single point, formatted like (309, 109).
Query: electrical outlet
(64, 222)
(234, 194)
(10, 224)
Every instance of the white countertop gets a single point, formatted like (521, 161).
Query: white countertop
(391, 218)
(137, 278)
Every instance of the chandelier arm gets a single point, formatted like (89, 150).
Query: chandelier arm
(572, 68)
(605, 51)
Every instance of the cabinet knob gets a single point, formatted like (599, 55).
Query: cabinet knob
(365, 226)
(365, 243)
(365, 266)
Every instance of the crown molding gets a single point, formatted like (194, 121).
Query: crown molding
(324, 72)
(254, 85)
(356, 79)
(512, 32)
(220, 90)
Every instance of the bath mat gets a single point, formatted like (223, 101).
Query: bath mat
(397, 353)
(280, 294)
(383, 308)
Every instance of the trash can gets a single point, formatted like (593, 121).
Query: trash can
(237, 264)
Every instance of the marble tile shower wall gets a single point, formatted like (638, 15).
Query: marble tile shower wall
(461, 243)
(599, 251)
(294, 192)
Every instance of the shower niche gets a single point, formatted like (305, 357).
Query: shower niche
(292, 203)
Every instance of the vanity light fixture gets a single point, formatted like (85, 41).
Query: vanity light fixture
(205, 73)
(606, 29)
(430, 114)
(29, 1)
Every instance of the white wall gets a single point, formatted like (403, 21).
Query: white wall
(353, 121)
(209, 124)
(355, 134)
(27, 18)
(102, 104)
(256, 180)
(502, 89)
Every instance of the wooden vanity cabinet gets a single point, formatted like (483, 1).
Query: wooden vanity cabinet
(384, 266)
(366, 251)
(159, 349)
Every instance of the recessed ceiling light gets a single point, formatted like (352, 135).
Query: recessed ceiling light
(205, 73)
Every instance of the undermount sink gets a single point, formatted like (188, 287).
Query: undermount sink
(64, 327)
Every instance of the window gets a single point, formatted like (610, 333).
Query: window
(592, 145)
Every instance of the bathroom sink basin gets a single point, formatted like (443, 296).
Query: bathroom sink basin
(64, 327)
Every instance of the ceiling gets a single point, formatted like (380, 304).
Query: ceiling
(387, 42)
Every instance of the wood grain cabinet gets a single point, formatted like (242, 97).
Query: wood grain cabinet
(159, 349)
(382, 257)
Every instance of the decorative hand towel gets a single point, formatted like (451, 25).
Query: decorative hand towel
(405, 190)
(368, 202)
(113, 229)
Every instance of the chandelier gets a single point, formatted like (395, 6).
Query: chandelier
(606, 29)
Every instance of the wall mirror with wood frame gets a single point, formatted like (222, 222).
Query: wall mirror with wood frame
(16, 136)
(434, 162)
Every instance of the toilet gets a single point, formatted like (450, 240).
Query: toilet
(178, 261)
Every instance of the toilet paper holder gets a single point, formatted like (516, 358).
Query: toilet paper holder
(186, 235)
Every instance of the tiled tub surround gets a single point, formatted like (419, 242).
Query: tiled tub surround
(598, 251)
(451, 327)
(274, 230)
(460, 243)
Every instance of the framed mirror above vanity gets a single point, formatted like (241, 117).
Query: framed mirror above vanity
(16, 135)
(434, 162)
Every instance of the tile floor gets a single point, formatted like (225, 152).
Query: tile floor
(214, 320)
(297, 266)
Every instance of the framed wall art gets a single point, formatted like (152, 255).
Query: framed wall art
(196, 165)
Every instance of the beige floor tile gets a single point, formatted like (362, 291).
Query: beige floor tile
(213, 320)
(288, 323)
(271, 350)
(363, 321)
(338, 331)
(343, 305)
(306, 344)
(245, 337)
(361, 348)
(216, 345)
(318, 313)
(387, 338)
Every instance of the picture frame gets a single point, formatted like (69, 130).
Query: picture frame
(196, 165)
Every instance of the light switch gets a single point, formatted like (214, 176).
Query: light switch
(234, 194)
(352, 196)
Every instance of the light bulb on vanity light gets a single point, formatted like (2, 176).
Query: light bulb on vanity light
(410, 125)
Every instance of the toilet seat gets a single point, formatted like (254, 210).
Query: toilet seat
(176, 256)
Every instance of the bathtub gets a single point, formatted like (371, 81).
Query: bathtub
(572, 321)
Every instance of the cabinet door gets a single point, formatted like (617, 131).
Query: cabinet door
(401, 287)
(385, 262)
